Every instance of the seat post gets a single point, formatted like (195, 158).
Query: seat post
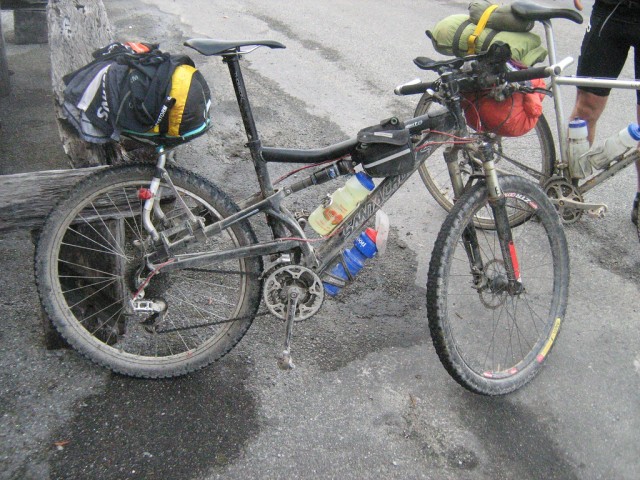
(557, 96)
(255, 147)
(233, 62)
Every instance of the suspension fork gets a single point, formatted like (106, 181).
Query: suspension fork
(498, 202)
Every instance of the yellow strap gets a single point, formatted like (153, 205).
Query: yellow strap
(484, 18)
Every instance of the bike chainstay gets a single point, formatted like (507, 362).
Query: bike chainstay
(220, 322)
(210, 324)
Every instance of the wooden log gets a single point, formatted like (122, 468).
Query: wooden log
(16, 4)
(27, 198)
(76, 29)
(5, 83)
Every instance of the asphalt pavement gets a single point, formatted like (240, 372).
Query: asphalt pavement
(369, 398)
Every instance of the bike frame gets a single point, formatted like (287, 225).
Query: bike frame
(561, 120)
(269, 200)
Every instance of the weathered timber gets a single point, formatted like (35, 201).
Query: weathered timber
(17, 4)
(76, 30)
(27, 198)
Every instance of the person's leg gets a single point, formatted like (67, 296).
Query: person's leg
(636, 201)
(589, 107)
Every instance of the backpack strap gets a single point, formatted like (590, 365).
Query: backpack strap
(455, 44)
(487, 42)
(482, 23)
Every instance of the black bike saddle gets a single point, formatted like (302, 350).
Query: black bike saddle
(533, 11)
(209, 46)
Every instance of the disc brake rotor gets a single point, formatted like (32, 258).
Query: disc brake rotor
(494, 293)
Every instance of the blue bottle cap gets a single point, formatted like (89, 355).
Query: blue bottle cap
(634, 131)
(365, 180)
(577, 123)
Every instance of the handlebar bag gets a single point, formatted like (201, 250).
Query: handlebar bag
(385, 149)
(451, 35)
(511, 117)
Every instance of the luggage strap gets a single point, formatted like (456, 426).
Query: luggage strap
(482, 23)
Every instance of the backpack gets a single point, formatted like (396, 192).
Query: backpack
(138, 90)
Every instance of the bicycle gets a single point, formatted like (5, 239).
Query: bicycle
(532, 155)
(153, 271)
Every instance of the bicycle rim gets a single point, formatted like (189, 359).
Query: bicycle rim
(90, 262)
(492, 342)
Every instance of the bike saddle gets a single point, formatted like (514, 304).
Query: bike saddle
(209, 46)
(533, 11)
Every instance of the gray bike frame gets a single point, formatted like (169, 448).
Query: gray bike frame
(561, 120)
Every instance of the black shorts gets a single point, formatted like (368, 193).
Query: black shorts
(606, 45)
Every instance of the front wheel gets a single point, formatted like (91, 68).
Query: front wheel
(493, 340)
(90, 264)
(530, 156)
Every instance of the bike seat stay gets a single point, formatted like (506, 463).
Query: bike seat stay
(209, 46)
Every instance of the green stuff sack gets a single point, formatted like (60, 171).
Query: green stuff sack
(191, 98)
(450, 37)
(502, 18)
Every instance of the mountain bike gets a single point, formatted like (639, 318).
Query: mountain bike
(532, 155)
(153, 271)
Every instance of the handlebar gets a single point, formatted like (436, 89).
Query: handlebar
(413, 87)
(417, 87)
(538, 72)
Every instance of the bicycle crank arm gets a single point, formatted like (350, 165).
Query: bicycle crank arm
(597, 210)
(285, 362)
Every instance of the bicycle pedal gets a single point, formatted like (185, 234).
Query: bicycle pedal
(285, 362)
(598, 213)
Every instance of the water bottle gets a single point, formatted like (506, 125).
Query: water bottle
(603, 154)
(343, 201)
(364, 247)
(578, 145)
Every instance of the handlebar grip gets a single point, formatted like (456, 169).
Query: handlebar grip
(527, 74)
(412, 88)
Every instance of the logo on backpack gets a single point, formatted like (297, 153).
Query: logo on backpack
(103, 109)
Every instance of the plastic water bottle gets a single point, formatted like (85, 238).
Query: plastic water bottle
(603, 154)
(343, 201)
(364, 247)
(578, 145)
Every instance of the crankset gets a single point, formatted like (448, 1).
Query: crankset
(292, 293)
(569, 202)
(283, 279)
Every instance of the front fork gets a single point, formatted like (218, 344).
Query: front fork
(497, 202)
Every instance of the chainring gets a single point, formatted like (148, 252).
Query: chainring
(276, 288)
(558, 188)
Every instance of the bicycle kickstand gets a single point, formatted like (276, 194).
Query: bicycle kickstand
(285, 361)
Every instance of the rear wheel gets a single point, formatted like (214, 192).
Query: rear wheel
(530, 156)
(90, 263)
(490, 339)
